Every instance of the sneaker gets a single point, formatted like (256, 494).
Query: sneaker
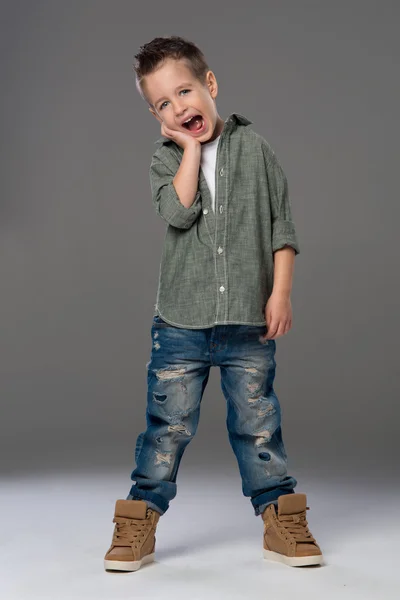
(287, 538)
(133, 541)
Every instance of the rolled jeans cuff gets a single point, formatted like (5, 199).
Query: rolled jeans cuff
(153, 501)
(261, 502)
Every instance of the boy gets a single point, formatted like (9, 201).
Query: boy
(223, 297)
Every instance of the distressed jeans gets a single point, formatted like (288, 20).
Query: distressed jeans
(177, 375)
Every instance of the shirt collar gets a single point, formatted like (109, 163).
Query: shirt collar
(235, 118)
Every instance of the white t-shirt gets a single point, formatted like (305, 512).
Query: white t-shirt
(208, 163)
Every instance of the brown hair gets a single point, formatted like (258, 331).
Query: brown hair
(154, 53)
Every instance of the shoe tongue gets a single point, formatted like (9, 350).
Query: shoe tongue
(131, 509)
(291, 503)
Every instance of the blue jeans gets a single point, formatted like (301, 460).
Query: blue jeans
(177, 375)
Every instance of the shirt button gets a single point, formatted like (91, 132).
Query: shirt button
(221, 171)
(222, 289)
(205, 211)
(220, 250)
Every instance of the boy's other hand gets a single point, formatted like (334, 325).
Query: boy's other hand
(278, 315)
(182, 139)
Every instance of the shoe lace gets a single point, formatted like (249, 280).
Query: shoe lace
(297, 526)
(129, 531)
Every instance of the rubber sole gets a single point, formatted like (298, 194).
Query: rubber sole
(131, 565)
(294, 561)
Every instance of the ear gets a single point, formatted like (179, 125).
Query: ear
(155, 114)
(212, 84)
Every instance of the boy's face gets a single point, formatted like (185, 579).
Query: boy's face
(177, 95)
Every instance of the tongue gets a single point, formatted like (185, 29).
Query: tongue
(195, 123)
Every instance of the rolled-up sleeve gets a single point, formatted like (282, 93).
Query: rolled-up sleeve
(165, 199)
(283, 227)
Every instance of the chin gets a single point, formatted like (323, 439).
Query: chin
(207, 138)
(209, 135)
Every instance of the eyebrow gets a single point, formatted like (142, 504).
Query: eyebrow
(177, 88)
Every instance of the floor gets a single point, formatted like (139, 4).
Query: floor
(57, 528)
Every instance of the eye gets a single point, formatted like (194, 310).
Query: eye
(161, 105)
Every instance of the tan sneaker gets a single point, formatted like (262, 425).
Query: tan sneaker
(133, 542)
(287, 538)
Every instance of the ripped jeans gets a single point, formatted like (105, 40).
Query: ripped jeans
(177, 375)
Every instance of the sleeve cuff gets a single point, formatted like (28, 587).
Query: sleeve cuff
(284, 234)
(181, 216)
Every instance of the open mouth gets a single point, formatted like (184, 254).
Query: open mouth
(195, 124)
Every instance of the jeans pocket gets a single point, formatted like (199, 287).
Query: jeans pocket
(159, 322)
(253, 332)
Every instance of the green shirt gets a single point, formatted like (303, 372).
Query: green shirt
(218, 268)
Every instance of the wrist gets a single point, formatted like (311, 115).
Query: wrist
(192, 145)
(281, 292)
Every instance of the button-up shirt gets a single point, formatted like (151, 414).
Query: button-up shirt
(217, 267)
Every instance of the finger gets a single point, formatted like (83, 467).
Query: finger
(167, 131)
(272, 330)
(278, 328)
(286, 328)
(281, 329)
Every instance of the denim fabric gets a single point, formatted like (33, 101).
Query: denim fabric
(177, 375)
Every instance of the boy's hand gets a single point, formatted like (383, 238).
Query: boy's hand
(278, 315)
(182, 139)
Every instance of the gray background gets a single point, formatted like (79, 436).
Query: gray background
(80, 243)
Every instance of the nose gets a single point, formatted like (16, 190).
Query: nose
(179, 110)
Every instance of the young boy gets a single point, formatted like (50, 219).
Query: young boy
(223, 298)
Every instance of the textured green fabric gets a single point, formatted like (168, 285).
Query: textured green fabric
(218, 268)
